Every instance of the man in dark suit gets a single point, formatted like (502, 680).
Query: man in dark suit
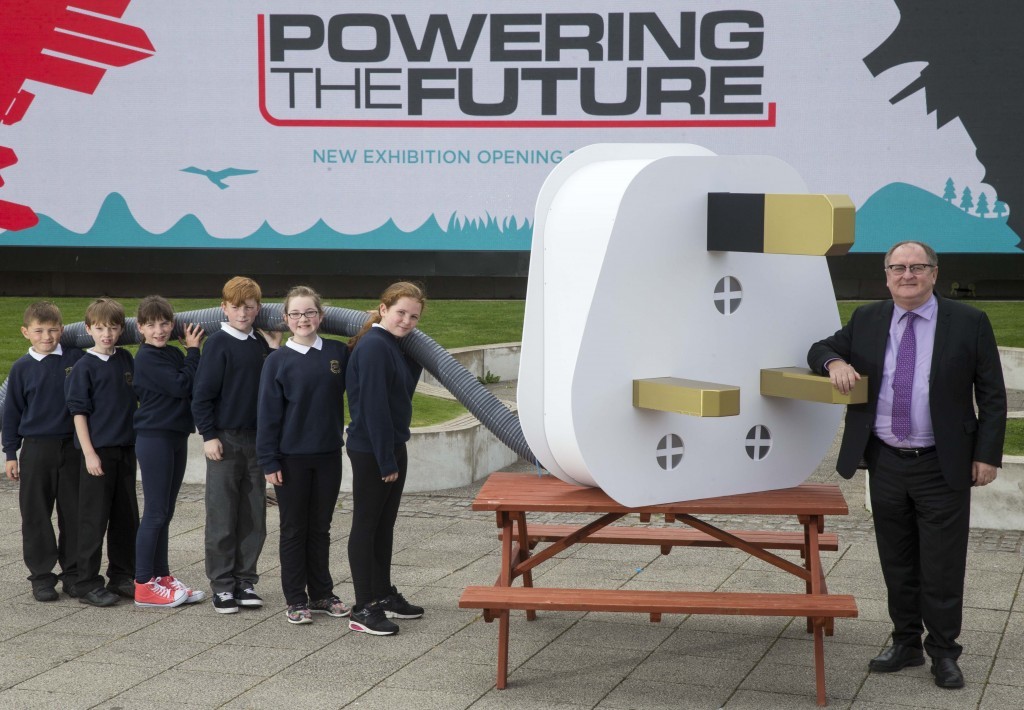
(924, 446)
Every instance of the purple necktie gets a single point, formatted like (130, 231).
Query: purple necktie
(903, 380)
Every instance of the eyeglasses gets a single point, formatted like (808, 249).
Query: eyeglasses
(296, 315)
(915, 269)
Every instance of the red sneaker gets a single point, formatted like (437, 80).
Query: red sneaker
(153, 594)
(191, 595)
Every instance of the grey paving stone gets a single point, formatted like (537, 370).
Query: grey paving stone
(15, 669)
(15, 699)
(917, 690)
(41, 643)
(679, 668)
(1001, 697)
(502, 700)
(1008, 671)
(655, 695)
(543, 687)
(991, 590)
(710, 644)
(587, 658)
(783, 678)
(243, 660)
(94, 682)
(389, 698)
(196, 688)
(763, 700)
(145, 653)
(289, 691)
(442, 675)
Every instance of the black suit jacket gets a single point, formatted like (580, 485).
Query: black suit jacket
(965, 367)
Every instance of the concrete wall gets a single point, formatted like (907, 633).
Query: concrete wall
(1013, 367)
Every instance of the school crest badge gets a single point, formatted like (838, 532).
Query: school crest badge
(335, 367)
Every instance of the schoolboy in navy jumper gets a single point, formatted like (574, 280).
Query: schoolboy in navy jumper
(37, 421)
(163, 383)
(381, 381)
(298, 441)
(101, 401)
(224, 407)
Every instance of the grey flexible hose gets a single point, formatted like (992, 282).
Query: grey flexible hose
(494, 415)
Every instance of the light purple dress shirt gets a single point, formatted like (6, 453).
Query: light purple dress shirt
(921, 434)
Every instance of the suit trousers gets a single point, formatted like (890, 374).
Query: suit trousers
(49, 475)
(236, 513)
(921, 528)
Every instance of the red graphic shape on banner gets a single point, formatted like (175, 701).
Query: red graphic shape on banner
(27, 29)
(12, 215)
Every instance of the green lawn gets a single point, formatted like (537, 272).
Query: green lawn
(1007, 318)
(452, 324)
(1014, 445)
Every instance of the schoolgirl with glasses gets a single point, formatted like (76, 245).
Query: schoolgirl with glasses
(298, 444)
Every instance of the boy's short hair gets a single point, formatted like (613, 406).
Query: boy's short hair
(42, 312)
(154, 308)
(240, 289)
(104, 311)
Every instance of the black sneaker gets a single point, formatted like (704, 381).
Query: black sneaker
(370, 619)
(224, 603)
(396, 607)
(246, 596)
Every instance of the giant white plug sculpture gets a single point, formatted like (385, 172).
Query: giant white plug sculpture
(648, 325)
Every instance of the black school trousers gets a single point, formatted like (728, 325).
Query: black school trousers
(107, 505)
(306, 500)
(374, 512)
(48, 477)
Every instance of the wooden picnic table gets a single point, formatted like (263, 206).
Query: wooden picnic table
(512, 495)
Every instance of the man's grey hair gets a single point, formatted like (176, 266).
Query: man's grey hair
(933, 258)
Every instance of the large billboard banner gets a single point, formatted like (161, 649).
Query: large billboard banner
(309, 124)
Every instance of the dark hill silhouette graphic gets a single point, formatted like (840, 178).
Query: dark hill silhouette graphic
(975, 71)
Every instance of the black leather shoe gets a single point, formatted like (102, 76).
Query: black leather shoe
(947, 673)
(123, 588)
(895, 658)
(45, 594)
(99, 597)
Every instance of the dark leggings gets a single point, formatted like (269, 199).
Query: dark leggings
(374, 511)
(162, 462)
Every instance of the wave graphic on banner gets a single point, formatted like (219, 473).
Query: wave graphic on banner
(116, 226)
(901, 211)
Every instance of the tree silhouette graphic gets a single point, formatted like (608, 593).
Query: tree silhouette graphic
(967, 201)
(949, 194)
(982, 209)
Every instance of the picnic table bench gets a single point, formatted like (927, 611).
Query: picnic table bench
(512, 495)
